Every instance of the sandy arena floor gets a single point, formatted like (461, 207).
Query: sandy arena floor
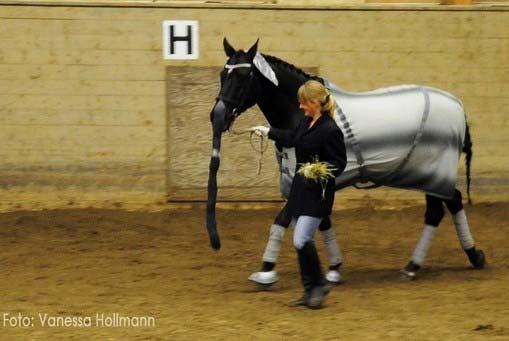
(80, 262)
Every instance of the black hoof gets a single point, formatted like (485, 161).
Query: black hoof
(476, 258)
(480, 262)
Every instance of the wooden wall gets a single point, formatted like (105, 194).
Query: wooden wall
(238, 176)
(84, 96)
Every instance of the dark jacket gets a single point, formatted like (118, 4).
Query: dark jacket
(323, 140)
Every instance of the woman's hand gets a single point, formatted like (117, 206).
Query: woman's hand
(260, 130)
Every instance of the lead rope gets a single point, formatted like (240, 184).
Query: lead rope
(263, 145)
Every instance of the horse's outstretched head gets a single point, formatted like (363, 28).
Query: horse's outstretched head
(237, 93)
(237, 90)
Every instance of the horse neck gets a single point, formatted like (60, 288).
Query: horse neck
(279, 103)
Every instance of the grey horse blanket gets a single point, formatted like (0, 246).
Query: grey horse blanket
(405, 136)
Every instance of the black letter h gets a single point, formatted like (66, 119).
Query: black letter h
(174, 38)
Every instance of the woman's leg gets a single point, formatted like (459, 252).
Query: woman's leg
(309, 262)
(305, 228)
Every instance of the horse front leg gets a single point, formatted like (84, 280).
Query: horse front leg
(432, 218)
(267, 275)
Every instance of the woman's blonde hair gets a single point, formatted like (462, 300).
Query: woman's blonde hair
(314, 90)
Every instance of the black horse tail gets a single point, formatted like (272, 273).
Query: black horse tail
(467, 149)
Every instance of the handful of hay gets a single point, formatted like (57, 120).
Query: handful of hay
(318, 171)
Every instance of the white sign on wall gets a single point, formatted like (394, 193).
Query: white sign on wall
(180, 39)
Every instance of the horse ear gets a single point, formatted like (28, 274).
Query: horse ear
(252, 50)
(228, 49)
(264, 67)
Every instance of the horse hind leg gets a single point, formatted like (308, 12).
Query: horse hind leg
(432, 218)
(459, 217)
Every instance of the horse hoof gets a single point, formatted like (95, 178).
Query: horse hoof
(264, 278)
(410, 271)
(481, 260)
(334, 277)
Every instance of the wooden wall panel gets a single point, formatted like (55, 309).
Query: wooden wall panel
(86, 111)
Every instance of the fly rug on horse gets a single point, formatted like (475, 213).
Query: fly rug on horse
(406, 136)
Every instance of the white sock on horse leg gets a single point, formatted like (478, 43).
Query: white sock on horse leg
(273, 247)
(462, 229)
(332, 247)
(421, 250)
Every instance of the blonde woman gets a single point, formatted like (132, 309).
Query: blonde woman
(317, 137)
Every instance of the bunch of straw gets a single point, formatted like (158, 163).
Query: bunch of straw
(318, 171)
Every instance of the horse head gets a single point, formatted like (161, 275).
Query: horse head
(238, 92)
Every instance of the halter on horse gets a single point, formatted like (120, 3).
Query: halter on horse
(251, 78)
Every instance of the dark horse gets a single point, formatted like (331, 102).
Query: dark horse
(250, 78)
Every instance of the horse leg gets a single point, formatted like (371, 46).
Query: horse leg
(332, 248)
(432, 218)
(455, 206)
(268, 276)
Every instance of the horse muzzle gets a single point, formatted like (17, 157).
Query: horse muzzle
(223, 114)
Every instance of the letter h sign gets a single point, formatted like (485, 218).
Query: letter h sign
(180, 39)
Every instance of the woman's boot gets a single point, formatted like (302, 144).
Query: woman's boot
(319, 288)
(312, 278)
(306, 277)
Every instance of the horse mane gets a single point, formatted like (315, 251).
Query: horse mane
(291, 67)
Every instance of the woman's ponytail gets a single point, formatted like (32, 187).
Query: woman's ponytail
(329, 105)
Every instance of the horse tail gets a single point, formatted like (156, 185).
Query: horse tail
(467, 149)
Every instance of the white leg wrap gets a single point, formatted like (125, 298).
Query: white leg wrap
(462, 229)
(274, 244)
(332, 247)
(422, 247)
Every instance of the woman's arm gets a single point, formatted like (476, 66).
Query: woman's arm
(285, 137)
(334, 151)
